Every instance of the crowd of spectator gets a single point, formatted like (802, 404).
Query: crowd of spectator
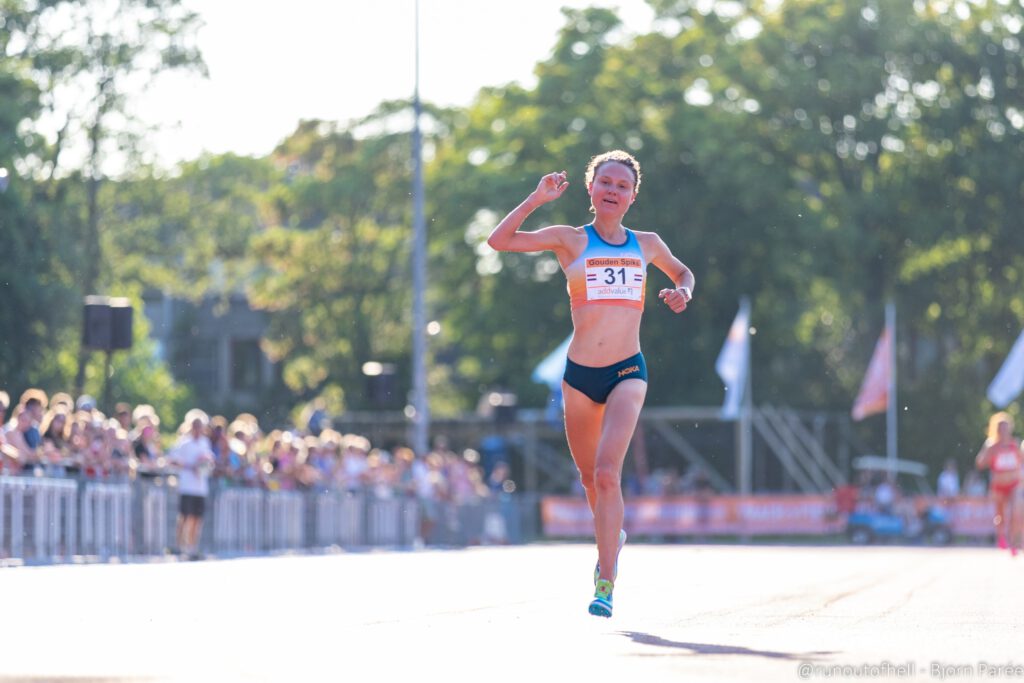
(61, 436)
(57, 435)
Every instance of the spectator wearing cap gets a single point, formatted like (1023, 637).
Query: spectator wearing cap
(34, 402)
(63, 399)
(193, 455)
(85, 402)
(141, 412)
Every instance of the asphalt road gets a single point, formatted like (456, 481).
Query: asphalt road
(682, 613)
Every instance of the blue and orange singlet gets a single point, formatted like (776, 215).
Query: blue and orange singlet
(607, 274)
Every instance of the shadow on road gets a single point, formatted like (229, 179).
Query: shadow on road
(710, 649)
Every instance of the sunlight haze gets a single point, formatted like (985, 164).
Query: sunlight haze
(272, 64)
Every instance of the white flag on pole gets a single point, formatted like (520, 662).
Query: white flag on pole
(732, 362)
(1009, 380)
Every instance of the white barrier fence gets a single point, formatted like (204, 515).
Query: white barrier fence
(155, 516)
(51, 520)
(339, 519)
(106, 519)
(238, 521)
(38, 518)
(284, 511)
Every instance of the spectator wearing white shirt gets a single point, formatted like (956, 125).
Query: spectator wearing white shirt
(886, 494)
(948, 485)
(193, 455)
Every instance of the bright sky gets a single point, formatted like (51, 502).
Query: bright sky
(273, 63)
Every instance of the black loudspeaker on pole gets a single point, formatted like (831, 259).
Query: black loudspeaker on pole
(107, 324)
(121, 327)
(107, 327)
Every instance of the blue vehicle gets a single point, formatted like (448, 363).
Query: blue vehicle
(892, 520)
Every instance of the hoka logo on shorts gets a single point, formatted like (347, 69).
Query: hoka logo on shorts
(629, 371)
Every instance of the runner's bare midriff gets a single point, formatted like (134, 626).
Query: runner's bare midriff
(603, 335)
(1003, 478)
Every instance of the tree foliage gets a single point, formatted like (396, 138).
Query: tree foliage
(819, 156)
(68, 69)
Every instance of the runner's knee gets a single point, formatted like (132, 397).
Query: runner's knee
(607, 479)
(586, 476)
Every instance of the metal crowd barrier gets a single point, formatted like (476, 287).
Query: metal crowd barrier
(238, 521)
(156, 519)
(51, 520)
(38, 518)
(494, 521)
(391, 521)
(106, 519)
(338, 519)
(284, 520)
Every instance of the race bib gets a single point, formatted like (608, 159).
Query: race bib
(1005, 461)
(614, 278)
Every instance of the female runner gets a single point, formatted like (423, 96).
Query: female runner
(605, 378)
(1001, 455)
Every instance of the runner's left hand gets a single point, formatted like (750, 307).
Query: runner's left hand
(675, 298)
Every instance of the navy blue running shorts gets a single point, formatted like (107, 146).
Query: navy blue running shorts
(597, 383)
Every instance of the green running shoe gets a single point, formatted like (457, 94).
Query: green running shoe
(601, 605)
(597, 567)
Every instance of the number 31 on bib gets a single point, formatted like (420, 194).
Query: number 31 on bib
(614, 278)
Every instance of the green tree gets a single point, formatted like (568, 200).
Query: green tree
(55, 247)
(334, 269)
(188, 235)
(116, 45)
(819, 156)
(32, 299)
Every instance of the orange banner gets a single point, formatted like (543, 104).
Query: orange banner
(967, 516)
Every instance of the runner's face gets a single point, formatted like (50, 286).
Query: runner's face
(612, 190)
(1004, 429)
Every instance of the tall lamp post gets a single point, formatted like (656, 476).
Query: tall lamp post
(420, 409)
